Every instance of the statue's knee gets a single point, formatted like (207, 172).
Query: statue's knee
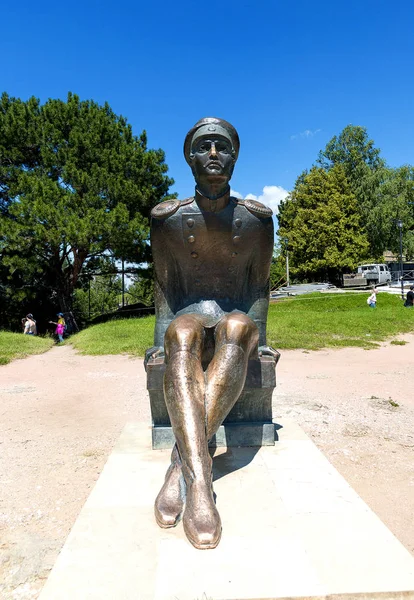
(239, 329)
(178, 333)
(182, 334)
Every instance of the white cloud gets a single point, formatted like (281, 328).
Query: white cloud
(308, 133)
(272, 196)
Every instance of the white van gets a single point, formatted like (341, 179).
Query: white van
(375, 274)
(368, 275)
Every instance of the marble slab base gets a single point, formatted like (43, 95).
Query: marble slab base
(229, 435)
(292, 529)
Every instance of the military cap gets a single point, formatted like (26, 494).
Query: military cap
(214, 125)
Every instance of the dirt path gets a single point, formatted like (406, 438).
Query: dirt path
(358, 407)
(61, 414)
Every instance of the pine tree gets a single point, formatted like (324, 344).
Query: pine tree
(383, 194)
(321, 223)
(75, 183)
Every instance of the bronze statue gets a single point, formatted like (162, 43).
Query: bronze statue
(212, 255)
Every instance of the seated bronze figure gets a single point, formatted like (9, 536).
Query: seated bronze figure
(212, 255)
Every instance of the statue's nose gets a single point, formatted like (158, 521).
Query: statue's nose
(213, 151)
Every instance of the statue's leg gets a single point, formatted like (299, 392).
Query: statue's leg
(236, 339)
(185, 332)
(184, 390)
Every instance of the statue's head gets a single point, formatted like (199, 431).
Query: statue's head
(211, 148)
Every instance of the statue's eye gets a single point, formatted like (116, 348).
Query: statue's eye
(222, 148)
(202, 148)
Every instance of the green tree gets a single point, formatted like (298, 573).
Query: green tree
(99, 296)
(394, 201)
(383, 194)
(278, 267)
(321, 222)
(352, 149)
(142, 287)
(75, 183)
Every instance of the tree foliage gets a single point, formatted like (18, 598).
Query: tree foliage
(394, 201)
(100, 295)
(142, 288)
(75, 183)
(354, 151)
(278, 267)
(383, 194)
(321, 224)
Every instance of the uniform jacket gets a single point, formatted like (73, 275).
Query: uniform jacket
(211, 258)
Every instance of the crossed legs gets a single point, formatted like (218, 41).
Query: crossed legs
(197, 403)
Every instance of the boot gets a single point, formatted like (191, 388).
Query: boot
(169, 503)
(201, 520)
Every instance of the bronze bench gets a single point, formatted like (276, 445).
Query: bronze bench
(249, 423)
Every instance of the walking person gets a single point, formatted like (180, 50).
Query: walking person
(372, 300)
(409, 301)
(60, 326)
(30, 325)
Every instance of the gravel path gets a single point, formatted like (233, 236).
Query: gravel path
(61, 414)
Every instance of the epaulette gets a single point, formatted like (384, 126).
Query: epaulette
(257, 208)
(165, 209)
(187, 201)
(168, 208)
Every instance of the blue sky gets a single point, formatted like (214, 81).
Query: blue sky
(288, 75)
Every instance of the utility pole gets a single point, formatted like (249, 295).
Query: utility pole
(400, 226)
(123, 283)
(89, 297)
(287, 261)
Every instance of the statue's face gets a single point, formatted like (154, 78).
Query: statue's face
(212, 159)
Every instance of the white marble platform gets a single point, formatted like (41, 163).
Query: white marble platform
(292, 528)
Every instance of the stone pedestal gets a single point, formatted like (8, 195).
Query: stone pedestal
(292, 528)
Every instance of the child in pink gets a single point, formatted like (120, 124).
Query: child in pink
(60, 326)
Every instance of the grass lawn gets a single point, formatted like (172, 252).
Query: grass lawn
(17, 345)
(315, 321)
(120, 336)
(310, 322)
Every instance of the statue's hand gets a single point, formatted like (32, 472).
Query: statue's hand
(269, 351)
(153, 352)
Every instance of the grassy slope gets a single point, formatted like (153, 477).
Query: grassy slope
(311, 322)
(322, 320)
(121, 336)
(17, 345)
